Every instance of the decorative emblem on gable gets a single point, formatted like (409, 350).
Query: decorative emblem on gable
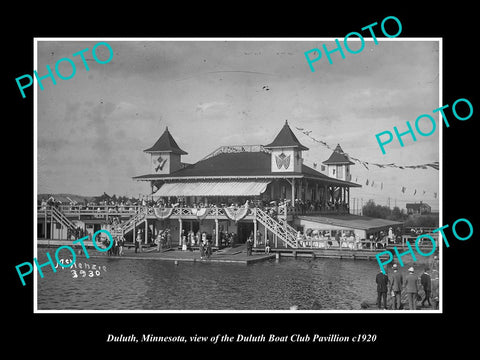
(282, 160)
(161, 163)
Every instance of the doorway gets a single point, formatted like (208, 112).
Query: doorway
(244, 231)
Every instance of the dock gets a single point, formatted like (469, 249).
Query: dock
(328, 253)
(236, 255)
(178, 256)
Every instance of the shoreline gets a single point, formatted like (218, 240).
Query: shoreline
(237, 254)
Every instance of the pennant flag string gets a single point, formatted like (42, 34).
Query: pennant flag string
(434, 165)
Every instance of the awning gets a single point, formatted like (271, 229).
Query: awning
(213, 188)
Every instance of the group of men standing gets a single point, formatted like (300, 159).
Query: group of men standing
(399, 282)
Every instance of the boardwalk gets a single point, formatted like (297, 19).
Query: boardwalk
(236, 255)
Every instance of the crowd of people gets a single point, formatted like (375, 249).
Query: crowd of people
(192, 240)
(399, 285)
(76, 233)
(348, 239)
(308, 206)
(92, 203)
(300, 206)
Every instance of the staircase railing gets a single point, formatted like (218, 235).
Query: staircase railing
(131, 223)
(283, 231)
(61, 218)
(283, 222)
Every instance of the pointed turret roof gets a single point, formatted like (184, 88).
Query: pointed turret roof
(338, 157)
(286, 138)
(166, 143)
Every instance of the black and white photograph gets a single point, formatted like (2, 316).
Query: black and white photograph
(240, 182)
(226, 175)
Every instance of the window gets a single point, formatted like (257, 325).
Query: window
(339, 171)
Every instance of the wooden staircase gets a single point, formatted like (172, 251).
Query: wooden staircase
(130, 224)
(280, 228)
(59, 217)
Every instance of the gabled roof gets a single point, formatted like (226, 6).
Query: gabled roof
(285, 138)
(416, 206)
(166, 143)
(338, 157)
(238, 165)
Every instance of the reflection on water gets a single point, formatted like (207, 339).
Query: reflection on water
(161, 285)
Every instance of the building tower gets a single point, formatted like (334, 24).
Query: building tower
(338, 165)
(286, 151)
(165, 154)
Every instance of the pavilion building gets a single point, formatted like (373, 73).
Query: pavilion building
(261, 190)
(234, 189)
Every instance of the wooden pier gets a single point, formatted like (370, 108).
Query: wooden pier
(327, 253)
(236, 255)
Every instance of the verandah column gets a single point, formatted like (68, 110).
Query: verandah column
(254, 232)
(293, 192)
(46, 221)
(180, 232)
(348, 201)
(146, 230)
(216, 232)
(326, 196)
(306, 190)
(266, 234)
(51, 223)
(300, 187)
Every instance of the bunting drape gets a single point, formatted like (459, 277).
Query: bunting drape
(236, 214)
(163, 213)
(433, 164)
(370, 182)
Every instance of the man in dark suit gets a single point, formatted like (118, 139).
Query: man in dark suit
(382, 288)
(396, 287)
(426, 282)
(411, 288)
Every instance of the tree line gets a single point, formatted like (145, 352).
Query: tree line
(371, 209)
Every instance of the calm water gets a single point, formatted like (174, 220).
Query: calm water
(120, 284)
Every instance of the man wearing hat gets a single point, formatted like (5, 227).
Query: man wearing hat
(411, 288)
(426, 282)
(138, 241)
(390, 235)
(382, 288)
(396, 287)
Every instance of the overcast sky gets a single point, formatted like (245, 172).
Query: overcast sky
(93, 128)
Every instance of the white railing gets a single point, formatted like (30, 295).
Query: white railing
(131, 223)
(76, 210)
(236, 149)
(59, 217)
(283, 232)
